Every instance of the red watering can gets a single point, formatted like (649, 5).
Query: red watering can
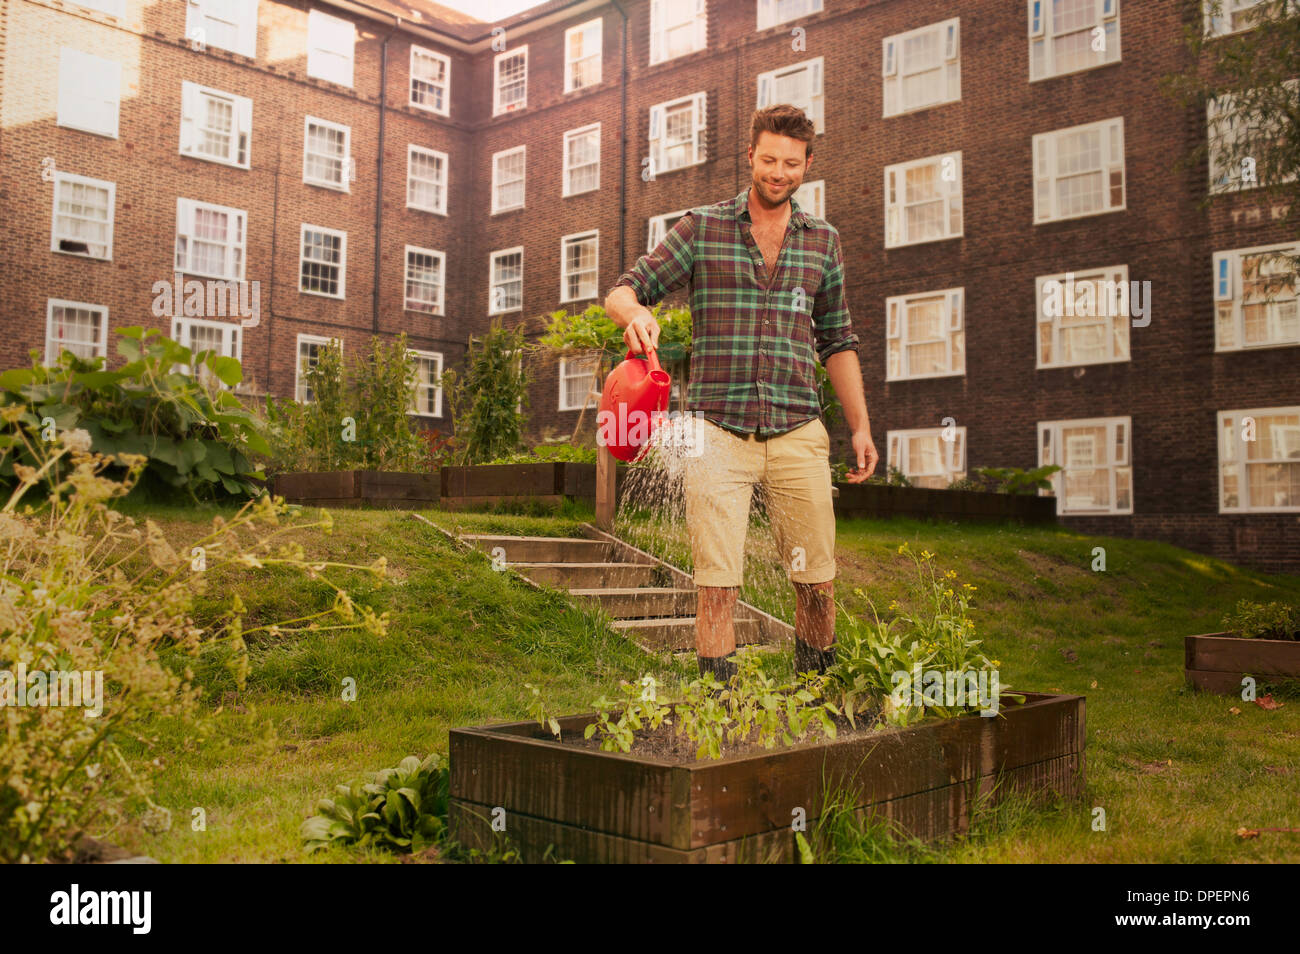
(635, 395)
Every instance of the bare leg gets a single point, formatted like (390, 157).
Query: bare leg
(814, 613)
(715, 615)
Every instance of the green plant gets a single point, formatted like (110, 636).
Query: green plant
(592, 329)
(1016, 480)
(639, 708)
(550, 454)
(195, 435)
(893, 478)
(402, 808)
(486, 402)
(537, 710)
(1250, 620)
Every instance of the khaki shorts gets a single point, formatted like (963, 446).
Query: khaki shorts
(794, 469)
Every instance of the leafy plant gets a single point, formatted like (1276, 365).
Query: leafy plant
(640, 709)
(592, 329)
(1250, 620)
(1016, 480)
(537, 710)
(402, 809)
(893, 478)
(548, 454)
(486, 403)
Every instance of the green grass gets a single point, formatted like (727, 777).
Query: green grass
(1176, 773)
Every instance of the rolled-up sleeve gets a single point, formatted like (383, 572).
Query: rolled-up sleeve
(667, 267)
(832, 326)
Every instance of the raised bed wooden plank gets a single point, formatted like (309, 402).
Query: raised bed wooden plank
(1218, 653)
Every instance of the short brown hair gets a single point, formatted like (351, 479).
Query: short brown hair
(784, 120)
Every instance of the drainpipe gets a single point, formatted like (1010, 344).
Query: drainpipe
(379, 182)
(622, 149)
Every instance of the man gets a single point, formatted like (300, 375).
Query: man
(767, 298)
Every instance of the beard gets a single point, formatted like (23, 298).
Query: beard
(774, 195)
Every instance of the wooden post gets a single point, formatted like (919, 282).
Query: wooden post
(606, 487)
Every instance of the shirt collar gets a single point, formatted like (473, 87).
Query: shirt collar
(798, 217)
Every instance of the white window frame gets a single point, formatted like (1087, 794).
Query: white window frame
(1105, 17)
(331, 48)
(493, 284)
(1232, 457)
(698, 21)
(574, 238)
(658, 227)
(698, 104)
(346, 167)
(197, 15)
(1228, 290)
(894, 66)
(498, 106)
(953, 452)
(186, 213)
(53, 350)
(420, 384)
(444, 88)
(567, 185)
(1045, 146)
(193, 103)
(816, 205)
(896, 206)
(591, 360)
(342, 263)
(441, 207)
(1226, 176)
(1219, 13)
(815, 108)
(497, 157)
(67, 178)
(90, 93)
(954, 328)
(439, 305)
(769, 12)
(1119, 320)
(1119, 458)
(231, 339)
(300, 372)
(597, 28)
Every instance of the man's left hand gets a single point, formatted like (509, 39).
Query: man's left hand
(865, 451)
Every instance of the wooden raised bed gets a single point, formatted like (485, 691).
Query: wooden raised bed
(595, 806)
(358, 488)
(882, 500)
(1217, 662)
(485, 485)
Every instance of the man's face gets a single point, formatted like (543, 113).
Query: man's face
(779, 165)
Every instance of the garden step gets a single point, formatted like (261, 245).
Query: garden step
(640, 602)
(542, 549)
(589, 575)
(658, 635)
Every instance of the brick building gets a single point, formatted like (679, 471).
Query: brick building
(997, 172)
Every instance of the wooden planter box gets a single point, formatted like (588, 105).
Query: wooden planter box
(358, 488)
(882, 500)
(595, 806)
(1217, 662)
(485, 485)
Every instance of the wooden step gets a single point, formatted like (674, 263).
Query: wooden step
(588, 575)
(640, 602)
(659, 635)
(541, 549)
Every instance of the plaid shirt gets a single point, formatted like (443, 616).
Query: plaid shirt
(753, 346)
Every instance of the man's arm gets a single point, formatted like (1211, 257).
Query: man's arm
(664, 269)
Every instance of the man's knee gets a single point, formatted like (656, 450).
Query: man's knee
(816, 594)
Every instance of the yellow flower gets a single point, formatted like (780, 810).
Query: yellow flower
(951, 574)
(967, 586)
(902, 547)
(996, 663)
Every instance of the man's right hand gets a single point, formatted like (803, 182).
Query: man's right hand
(642, 333)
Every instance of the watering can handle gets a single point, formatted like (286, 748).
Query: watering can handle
(651, 357)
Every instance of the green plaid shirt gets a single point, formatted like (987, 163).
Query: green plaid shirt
(753, 346)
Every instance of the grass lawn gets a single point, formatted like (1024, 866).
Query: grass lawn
(1176, 773)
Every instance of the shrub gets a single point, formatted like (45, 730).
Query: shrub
(550, 453)
(486, 404)
(1016, 480)
(593, 329)
(402, 808)
(1251, 620)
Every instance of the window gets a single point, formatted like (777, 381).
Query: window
(773, 12)
(226, 24)
(582, 160)
(210, 240)
(323, 263)
(923, 200)
(677, 27)
(511, 71)
(1255, 298)
(1083, 318)
(582, 55)
(1231, 16)
(659, 226)
(1096, 475)
(1079, 171)
(799, 85)
(83, 216)
(578, 386)
(506, 284)
(677, 133)
(77, 327)
(310, 348)
(115, 8)
(924, 335)
(425, 279)
(1066, 36)
(1259, 460)
(215, 126)
(430, 78)
(1238, 129)
(331, 46)
(508, 180)
(922, 68)
(926, 457)
(811, 197)
(426, 180)
(89, 92)
(326, 159)
(578, 266)
(427, 399)
(200, 335)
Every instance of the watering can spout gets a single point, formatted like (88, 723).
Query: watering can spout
(634, 397)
